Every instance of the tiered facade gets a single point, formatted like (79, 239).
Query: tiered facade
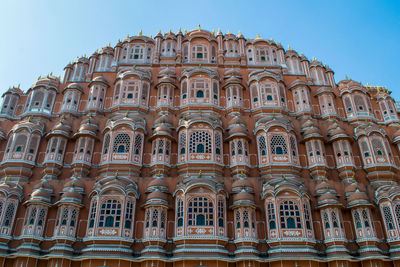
(199, 149)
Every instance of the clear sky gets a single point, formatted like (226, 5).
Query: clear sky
(358, 38)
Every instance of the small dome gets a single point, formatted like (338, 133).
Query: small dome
(74, 86)
(396, 137)
(163, 119)
(88, 127)
(14, 90)
(358, 197)
(241, 183)
(232, 73)
(157, 198)
(169, 72)
(323, 186)
(42, 192)
(74, 182)
(99, 79)
(158, 183)
(72, 194)
(243, 198)
(237, 127)
(63, 127)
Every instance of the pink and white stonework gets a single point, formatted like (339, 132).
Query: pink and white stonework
(199, 149)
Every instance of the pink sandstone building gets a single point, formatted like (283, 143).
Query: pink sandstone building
(199, 149)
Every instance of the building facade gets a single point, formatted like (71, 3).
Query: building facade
(199, 149)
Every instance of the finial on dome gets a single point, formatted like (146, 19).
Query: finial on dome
(126, 114)
(258, 36)
(229, 31)
(127, 36)
(288, 47)
(140, 33)
(116, 174)
(180, 29)
(213, 31)
(151, 36)
(185, 31)
(29, 118)
(170, 32)
(198, 27)
(240, 33)
(159, 31)
(219, 31)
(200, 173)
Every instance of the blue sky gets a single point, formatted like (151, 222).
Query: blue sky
(355, 38)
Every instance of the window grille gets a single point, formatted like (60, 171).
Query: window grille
(128, 214)
(271, 216)
(377, 146)
(106, 144)
(182, 143)
(138, 144)
(154, 218)
(9, 214)
(92, 216)
(262, 145)
(289, 215)
(110, 213)
(221, 212)
(293, 145)
(179, 214)
(278, 145)
(218, 148)
(122, 143)
(387, 214)
(200, 142)
(307, 216)
(200, 212)
(326, 220)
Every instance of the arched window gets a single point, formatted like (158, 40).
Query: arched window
(365, 149)
(199, 53)
(110, 213)
(262, 146)
(200, 94)
(128, 214)
(122, 143)
(184, 90)
(289, 215)
(217, 143)
(221, 212)
(182, 143)
(179, 213)
(138, 145)
(254, 93)
(271, 216)
(377, 146)
(9, 214)
(360, 104)
(262, 55)
(20, 143)
(200, 212)
(387, 214)
(106, 144)
(348, 105)
(92, 215)
(200, 142)
(154, 218)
